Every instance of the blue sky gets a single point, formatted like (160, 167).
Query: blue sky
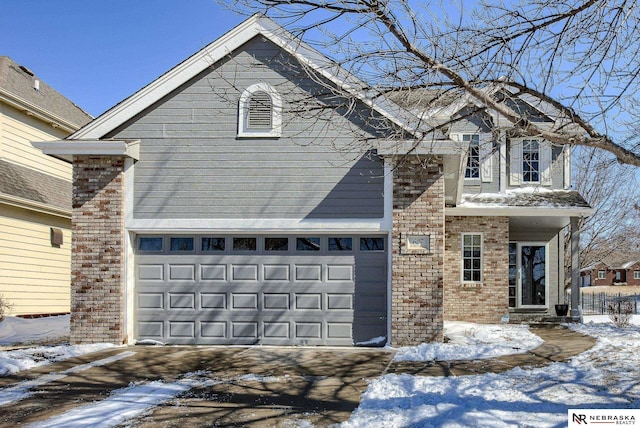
(98, 52)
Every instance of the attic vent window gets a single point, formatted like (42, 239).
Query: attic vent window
(260, 112)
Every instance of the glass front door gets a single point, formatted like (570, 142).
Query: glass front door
(527, 275)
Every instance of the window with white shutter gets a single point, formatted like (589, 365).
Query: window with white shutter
(529, 162)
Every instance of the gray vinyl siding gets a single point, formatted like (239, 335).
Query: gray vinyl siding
(192, 165)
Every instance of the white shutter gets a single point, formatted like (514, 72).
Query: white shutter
(515, 163)
(545, 163)
(486, 158)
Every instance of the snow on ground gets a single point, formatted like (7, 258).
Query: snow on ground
(123, 404)
(606, 376)
(21, 330)
(469, 341)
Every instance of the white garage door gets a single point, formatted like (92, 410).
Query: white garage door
(272, 290)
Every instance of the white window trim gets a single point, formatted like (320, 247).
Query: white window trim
(462, 280)
(604, 274)
(515, 162)
(636, 274)
(521, 244)
(276, 119)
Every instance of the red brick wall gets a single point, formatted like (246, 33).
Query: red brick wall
(97, 245)
(487, 301)
(418, 209)
(630, 280)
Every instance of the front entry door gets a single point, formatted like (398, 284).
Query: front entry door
(527, 275)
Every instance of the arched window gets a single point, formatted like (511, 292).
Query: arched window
(259, 112)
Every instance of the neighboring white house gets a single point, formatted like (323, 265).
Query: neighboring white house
(35, 193)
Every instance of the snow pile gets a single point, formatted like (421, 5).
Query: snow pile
(21, 330)
(469, 341)
(603, 377)
(24, 359)
(123, 404)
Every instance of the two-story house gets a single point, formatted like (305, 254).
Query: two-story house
(256, 194)
(35, 193)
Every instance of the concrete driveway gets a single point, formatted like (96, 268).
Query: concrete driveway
(320, 385)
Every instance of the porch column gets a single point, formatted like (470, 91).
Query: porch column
(97, 272)
(417, 251)
(575, 267)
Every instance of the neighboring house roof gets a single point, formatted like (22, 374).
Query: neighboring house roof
(628, 265)
(26, 187)
(257, 25)
(21, 88)
(595, 266)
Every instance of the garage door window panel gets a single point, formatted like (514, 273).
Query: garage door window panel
(181, 244)
(308, 244)
(340, 244)
(213, 244)
(372, 244)
(245, 244)
(276, 244)
(150, 244)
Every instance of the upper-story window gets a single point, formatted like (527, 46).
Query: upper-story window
(530, 161)
(473, 159)
(260, 112)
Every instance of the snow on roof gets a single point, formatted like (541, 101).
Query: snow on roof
(534, 197)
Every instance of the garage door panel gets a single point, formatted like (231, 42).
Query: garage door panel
(150, 272)
(182, 329)
(213, 300)
(276, 301)
(182, 301)
(276, 272)
(150, 301)
(308, 301)
(182, 272)
(339, 301)
(244, 272)
(258, 298)
(308, 272)
(244, 301)
(339, 272)
(213, 329)
(213, 272)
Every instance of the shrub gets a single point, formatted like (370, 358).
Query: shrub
(620, 312)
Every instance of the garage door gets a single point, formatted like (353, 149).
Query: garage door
(271, 290)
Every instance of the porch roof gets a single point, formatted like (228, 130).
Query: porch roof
(529, 201)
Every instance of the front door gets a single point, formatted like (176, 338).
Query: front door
(527, 275)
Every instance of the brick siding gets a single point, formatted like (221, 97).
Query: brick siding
(487, 301)
(97, 269)
(418, 209)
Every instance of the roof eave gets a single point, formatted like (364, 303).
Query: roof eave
(66, 149)
(515, 211)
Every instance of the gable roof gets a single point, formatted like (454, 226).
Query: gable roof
(22, 89)
(222, 47)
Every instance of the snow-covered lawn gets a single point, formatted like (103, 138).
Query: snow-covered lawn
(15, 330)
(605, 377)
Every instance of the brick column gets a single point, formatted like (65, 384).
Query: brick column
(97, 245)
(417, 274)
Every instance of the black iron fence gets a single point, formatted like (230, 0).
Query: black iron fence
(598, 303)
